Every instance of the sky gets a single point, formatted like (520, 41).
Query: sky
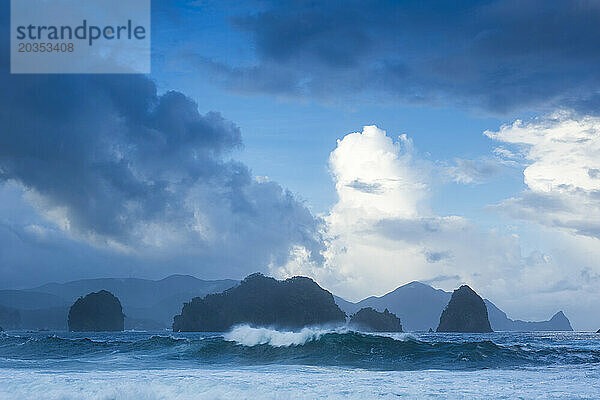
(363, 144)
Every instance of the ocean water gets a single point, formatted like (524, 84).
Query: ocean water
(261, 363)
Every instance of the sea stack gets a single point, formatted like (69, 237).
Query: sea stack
(374, 321)
(261, 301)
(466, 312)
(96, 312)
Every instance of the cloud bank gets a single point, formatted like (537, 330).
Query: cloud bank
(112, 163)
(498, 56)
(562, 151)
(382, 233)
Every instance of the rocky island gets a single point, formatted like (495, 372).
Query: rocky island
(96, 312)
(261, 301)
(466, 312)
(374, 321)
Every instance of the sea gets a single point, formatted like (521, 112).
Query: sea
(314, 363)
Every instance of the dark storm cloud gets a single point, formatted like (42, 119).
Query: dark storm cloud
(494, 55)
(110, 149)
(115, 164)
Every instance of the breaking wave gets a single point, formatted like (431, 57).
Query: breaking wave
(245, 345)
(249, 336)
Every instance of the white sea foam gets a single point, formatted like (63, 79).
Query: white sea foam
(294, 382)
(249, 336)
(399, 336)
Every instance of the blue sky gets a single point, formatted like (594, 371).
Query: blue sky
(280, 131)
(364, 144)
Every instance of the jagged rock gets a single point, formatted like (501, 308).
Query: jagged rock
(598, 331)
(466, 312)
(261, 301)
(96, 312)
(371, 320)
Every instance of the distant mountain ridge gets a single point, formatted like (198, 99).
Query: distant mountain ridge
(419, 307)
(152, 304)
(147, 304)
(134, 291)
(500, 322)
(29, 299)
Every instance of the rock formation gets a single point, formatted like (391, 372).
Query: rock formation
(96, 312)
(261, 301)
(148, 304)
(419, 306)
(466, 312)
(371, 320)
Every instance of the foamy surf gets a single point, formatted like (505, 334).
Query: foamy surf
(249, 336)
(293, 382)
(252, 336)
(316, 346)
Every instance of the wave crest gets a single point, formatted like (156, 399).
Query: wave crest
(249, 336)
(246, 345)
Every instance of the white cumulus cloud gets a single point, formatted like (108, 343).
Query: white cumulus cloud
(382, 233)
(563, 172)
